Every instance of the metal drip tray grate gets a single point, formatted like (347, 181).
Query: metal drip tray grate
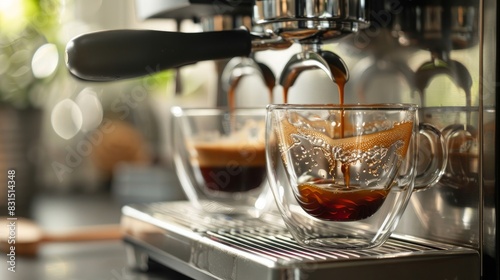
(282, 248)
(226, 247)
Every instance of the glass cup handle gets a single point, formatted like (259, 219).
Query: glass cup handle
(431, 157)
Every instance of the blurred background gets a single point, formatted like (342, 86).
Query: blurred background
(65, 136)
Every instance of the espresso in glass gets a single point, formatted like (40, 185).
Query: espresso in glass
(231, 168)
(326, 201)
(219, 155)
(336, 176)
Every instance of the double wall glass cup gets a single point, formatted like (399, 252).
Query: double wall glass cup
(219, 156)
(342, 176)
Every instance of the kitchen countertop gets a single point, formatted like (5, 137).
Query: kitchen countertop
(92, 260)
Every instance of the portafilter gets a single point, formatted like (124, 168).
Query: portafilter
(120, 54)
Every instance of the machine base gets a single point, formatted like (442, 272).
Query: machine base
(185, 239)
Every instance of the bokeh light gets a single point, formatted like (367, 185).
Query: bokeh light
(45, 60)
(66, 118)
(91, 109)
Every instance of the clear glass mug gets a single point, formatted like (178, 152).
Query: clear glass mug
(219, 156)
(342, 176)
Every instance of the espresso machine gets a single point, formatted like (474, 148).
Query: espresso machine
(443, 50)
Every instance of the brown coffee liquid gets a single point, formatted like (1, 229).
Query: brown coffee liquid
(340, 79)
(245, 178)
(231, 168)
(327, 202)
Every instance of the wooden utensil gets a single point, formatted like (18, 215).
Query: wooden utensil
(24, 237)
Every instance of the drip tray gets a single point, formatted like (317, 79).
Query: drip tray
(180, 237)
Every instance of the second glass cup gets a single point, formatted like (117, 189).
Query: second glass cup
(220, 159)
(342, 176)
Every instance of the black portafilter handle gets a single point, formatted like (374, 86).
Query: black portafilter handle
(121, 54)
